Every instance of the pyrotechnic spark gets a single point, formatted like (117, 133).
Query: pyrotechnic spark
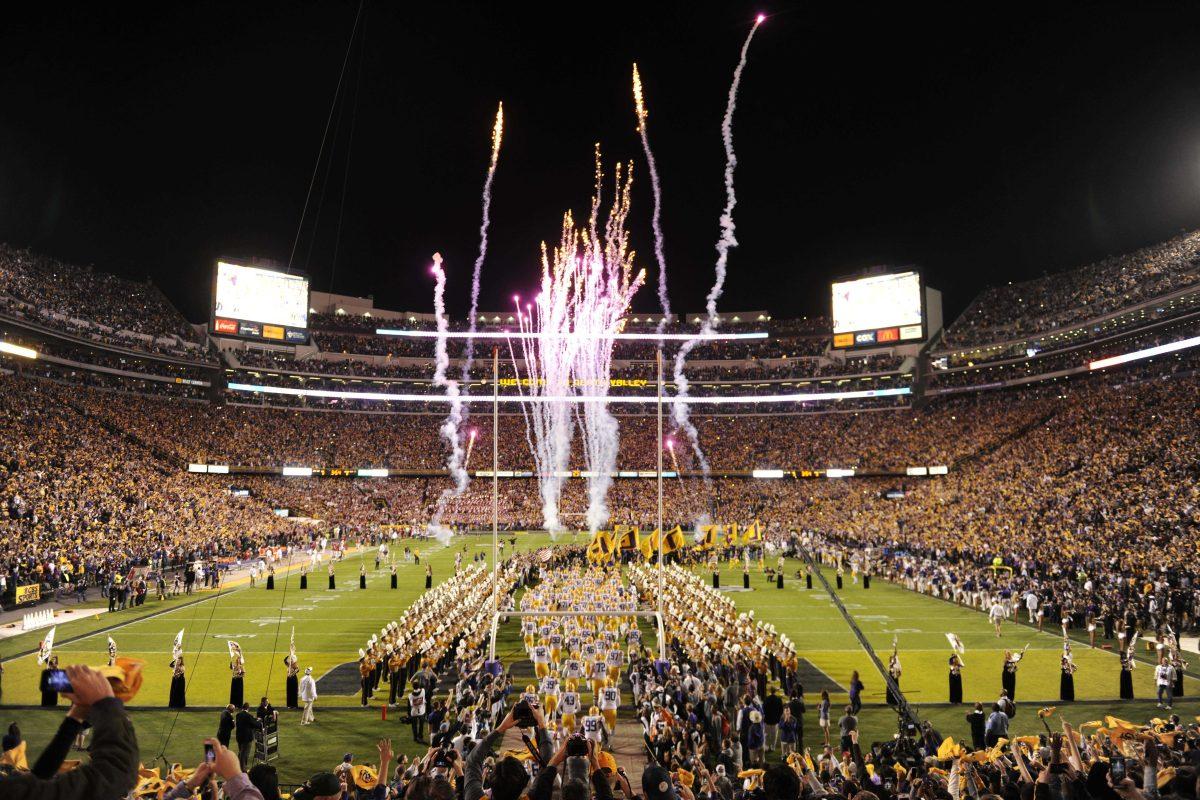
(656, 219)
(724, 244)
(449, 428)
(587, 285)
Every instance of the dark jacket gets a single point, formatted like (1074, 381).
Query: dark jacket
(772, 709)
(225, 727)
(111, 772)
(245, 725)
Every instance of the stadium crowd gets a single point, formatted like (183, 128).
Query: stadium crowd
(94, 305)
(1065, 298)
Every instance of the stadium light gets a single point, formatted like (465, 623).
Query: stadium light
(1149, 352)
(652, 337)
(17, 350)
(625, 399)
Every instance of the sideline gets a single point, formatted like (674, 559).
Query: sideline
(227, 587)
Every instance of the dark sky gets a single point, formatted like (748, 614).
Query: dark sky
(982, 144)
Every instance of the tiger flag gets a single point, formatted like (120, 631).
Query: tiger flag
(292, 645)
(46, 648)
(956, 643)
(626, 537)
(235, 649)
(648, 546)
(731, 535)
(177, 646)
(674, 540)
(752, 533)
(709, 535)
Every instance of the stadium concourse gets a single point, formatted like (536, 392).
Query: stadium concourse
(1014, 494)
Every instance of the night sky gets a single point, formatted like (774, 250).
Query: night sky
(981, 144)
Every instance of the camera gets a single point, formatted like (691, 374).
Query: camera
(56, 680)
(577, 745)
(523, 714)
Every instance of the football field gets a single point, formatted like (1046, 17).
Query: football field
(330, 626)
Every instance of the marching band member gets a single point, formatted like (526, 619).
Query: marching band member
(894, 672)
(1066, 684)
(237, 670)
(178, 696)
(1008, 674)
(956, 667)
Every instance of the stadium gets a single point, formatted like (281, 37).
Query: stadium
(879, 550)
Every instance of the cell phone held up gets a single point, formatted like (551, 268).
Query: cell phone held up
(210, 754)
(56, 680)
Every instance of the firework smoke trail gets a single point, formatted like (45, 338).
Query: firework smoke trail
(497, 136)
(449, 429)
(724, 244)
(656, 219)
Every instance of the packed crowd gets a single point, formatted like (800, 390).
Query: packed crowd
(1065, 298)
(82, 502)
(93, 305)
(244, 435)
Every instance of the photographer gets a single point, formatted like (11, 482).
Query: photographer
(509, 777)
(112, 771)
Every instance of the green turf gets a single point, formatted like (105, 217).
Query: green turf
(331, 626)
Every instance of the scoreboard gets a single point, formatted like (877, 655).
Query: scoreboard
(879, 310)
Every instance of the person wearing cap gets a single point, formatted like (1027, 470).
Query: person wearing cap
(308, 696)
(321, 786)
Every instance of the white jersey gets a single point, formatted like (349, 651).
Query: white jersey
(549, 685)
(573, 669)
(593, 728)
(541, 654)
(616, 658)
(610, 698)
(569, 703)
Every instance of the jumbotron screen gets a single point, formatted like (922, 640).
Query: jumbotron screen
(878, 310)
(257, 303)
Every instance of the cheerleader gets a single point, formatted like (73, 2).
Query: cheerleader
(362, 576)
(893, 697)
(840, 573)
(956, 689)
(1066, 684)
(428, 576)
(271, 578)
(332, 577)
(303, 578)
(237, 670)
(394, 586)
(808, 576)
